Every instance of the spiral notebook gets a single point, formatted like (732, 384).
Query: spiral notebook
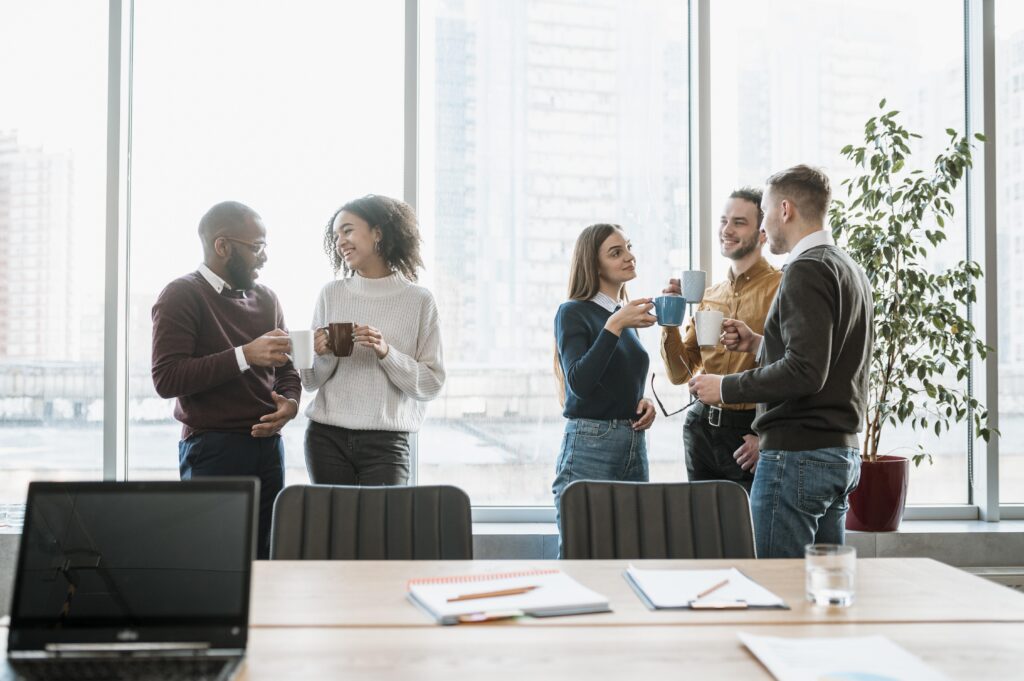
(490, 596)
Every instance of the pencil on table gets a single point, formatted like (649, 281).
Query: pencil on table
(712, 589)
(493, 594)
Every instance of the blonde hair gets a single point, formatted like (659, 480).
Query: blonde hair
(585, 280)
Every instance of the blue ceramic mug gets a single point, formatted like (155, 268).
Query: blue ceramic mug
(670, 310)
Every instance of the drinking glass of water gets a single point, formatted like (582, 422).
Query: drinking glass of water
(831, 571)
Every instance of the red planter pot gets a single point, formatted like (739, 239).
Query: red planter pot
(877, 503)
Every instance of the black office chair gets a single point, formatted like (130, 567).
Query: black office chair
(656, 520)
(333, 522)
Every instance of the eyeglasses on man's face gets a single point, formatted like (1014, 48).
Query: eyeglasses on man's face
(258, 248)
(662, 406)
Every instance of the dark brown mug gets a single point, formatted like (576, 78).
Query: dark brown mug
(339, 338)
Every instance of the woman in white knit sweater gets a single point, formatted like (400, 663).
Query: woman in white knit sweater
(370, 401)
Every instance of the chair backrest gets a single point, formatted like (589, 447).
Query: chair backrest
(328, 522)
(656, 520)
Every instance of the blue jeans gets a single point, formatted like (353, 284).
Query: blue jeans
(800, 498)
(238, 454)
(599, 450)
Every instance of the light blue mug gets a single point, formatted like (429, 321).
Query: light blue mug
(670, 310)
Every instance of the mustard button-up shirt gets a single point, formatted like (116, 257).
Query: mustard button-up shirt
(746, 297)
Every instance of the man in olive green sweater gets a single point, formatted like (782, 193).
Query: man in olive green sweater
(811, 385)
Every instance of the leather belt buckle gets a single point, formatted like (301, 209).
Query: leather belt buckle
(715, 416)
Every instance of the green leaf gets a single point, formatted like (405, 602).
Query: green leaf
(893, 222)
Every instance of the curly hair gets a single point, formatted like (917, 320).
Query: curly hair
(399, 234)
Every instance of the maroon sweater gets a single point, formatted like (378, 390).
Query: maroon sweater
(195, 332)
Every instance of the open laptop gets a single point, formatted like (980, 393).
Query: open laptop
(133, 580)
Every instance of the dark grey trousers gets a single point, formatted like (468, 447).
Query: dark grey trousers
(340, 456)
(709, 450)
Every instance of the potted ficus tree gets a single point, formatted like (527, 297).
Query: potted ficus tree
(890, 222)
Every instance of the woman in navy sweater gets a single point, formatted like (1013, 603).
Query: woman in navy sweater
(601, 365)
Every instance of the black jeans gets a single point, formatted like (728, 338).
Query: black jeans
(709, 448)
(238, 454)
(341, 456)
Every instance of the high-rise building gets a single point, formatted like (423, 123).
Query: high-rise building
(455, 260)
(1010, 220)
(550, 116)
(40, 313)
(800, 100)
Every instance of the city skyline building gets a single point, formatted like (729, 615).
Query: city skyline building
(550, 116)
(41, 301)
(1010, 220)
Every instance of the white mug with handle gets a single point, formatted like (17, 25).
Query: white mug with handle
(709, 327)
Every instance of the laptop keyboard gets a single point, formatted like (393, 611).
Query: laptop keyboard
(123, 669)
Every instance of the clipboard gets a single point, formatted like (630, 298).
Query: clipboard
(758, 598)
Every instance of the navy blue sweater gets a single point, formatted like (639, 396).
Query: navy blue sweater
(604, 373)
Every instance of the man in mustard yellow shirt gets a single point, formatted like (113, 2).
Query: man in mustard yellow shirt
(718, 439)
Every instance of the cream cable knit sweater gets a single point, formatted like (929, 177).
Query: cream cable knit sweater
(361, 392)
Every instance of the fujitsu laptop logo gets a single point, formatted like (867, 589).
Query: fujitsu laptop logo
(127, 635)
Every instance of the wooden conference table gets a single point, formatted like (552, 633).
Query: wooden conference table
(373, 593)
(973, 651)
(351, 620)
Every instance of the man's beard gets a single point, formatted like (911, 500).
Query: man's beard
(240, 272)
(745, 248)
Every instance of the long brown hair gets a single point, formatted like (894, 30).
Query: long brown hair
(585, 280)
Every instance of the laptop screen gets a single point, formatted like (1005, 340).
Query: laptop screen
(127, 556)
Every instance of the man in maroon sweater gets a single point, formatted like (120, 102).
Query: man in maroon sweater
(219, 344)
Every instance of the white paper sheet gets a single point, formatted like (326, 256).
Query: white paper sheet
(679, 588)
(863, 658)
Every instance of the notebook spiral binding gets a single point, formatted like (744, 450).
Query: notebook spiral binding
(480, 577)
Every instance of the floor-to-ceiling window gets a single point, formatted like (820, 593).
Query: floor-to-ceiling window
(538, 118)
(794, 81)
(534, 119)
(292, 108)
(1009, 86)
(53, 76)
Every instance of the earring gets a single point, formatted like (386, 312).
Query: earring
(376, 245)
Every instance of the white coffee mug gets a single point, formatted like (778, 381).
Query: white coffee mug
(709, 327)
(693, 283)
(302, 348)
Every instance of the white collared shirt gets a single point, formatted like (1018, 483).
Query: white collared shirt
(219, 285)
(605, 301)
(822, 237)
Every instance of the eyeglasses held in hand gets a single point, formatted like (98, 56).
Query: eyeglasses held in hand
(662, 406)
